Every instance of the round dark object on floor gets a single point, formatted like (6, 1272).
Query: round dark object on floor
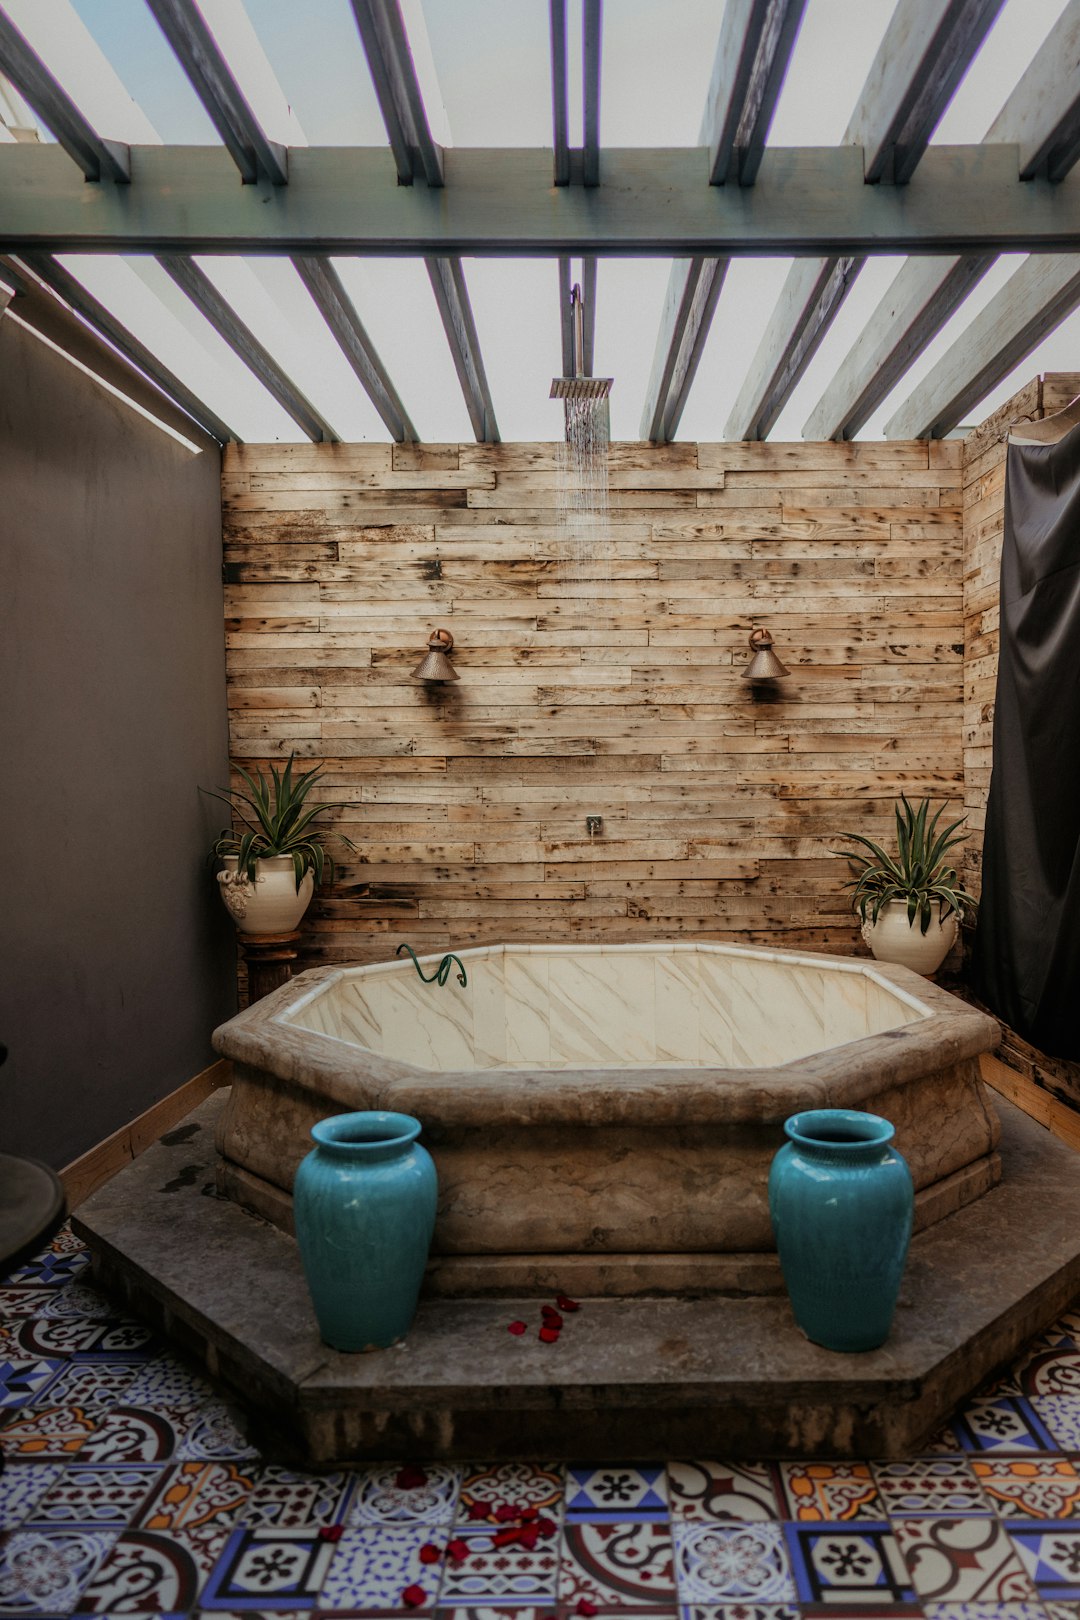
(32, 1205)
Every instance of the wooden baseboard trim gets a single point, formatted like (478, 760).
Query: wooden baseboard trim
(99, 1164)
(1057, 1116)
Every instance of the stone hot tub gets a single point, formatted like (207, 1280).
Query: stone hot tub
(603, 1117)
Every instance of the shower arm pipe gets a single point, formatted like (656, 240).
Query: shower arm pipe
(577, 309)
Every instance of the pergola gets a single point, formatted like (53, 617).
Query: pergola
(883, 191)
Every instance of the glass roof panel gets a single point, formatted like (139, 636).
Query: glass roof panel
(629, 307)
(516, 307)
(151, 306)
(1060, 351)
(60, 35)
(1018, 30)
(747, 298)
(493, 60)
(274, 304)
(824, 82)
(394, 300)
(314, 48)
(125, 33)
(857, 310)
(655, 71)
(980, 295)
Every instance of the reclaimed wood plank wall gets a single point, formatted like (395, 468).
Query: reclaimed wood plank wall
(604, 684)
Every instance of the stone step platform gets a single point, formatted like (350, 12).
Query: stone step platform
(628, 1378)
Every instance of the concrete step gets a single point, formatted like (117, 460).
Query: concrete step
(627, 1378)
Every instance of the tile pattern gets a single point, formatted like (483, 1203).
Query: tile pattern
(130, 1488)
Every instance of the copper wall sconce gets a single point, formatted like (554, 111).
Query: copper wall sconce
(435, 665)
(764, 666)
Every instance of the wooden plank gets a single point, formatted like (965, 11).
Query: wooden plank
(1061, 1118)
(100, 1163)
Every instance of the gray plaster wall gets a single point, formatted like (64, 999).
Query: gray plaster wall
(115, 954)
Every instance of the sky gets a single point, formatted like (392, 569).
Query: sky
(484, 69)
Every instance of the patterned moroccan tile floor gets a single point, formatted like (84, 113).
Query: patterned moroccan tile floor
(129, 1488)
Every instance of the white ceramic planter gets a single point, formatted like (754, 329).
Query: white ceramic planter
(893, 939)
(270, 905)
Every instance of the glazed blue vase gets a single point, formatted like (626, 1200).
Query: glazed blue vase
(364, 1204)
(841, 1202)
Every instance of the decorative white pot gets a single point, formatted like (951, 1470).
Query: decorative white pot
(893, 939)
(270, 905)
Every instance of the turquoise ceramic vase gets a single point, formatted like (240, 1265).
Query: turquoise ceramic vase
(841, 1204)
(364, 1203)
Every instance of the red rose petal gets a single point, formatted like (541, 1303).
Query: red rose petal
(429, 1553)
(410, 1478)
(505, 1538)
(505, 1512)
(528, 1536)
(549, 1335)
(414, 1597)
(551, 1317)
(528, 1513)
(517, 1328)
(585, 1607)
(565, 1303)
(458, 1550)
(479, 1510)
(546, 1527)
(331, 1532)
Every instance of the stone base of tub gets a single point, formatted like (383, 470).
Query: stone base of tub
(477, 1276)
(628, 1377)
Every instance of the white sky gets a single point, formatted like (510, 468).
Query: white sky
(484, 67)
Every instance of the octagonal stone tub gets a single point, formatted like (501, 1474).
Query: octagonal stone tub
(603, 1117)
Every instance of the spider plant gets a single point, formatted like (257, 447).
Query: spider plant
(276, 820)
(917, 874)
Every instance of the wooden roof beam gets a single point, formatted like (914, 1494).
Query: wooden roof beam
(417, 154)
(452, 297)
(927, 48)
(65, 314)
(808, 202)
(592, 30)
(95, 156)
(246, 346)
(1034, 300)
(195, 48)
(337, 310)
(1041, 116)
(754, 49)
(102, 321)
(757, 38)
(560, 92)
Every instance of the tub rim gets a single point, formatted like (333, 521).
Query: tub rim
(355, 1077)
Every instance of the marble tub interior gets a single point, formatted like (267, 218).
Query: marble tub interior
(553, 1007)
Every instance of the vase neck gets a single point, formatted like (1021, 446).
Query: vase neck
(368, 1137)
(839, 1133)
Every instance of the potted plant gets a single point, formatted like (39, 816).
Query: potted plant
(271, 866)
(910, 903)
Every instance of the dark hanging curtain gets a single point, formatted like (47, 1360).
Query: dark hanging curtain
(1027, 943)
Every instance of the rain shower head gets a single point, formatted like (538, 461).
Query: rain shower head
(579, 386)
